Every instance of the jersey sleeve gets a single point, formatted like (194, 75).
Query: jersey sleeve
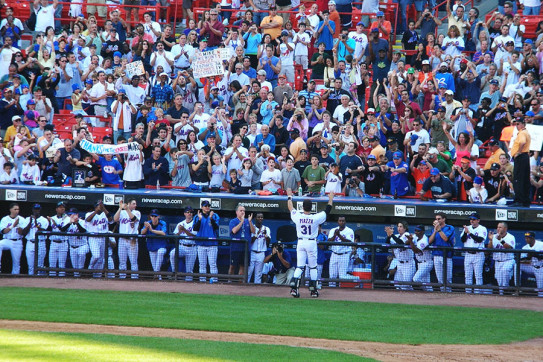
(321, 217)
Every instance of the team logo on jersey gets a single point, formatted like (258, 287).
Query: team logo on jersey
(215, 203)
(112, 199)
(405, 211)
(506, 215)
(300, 206)
(15, 195)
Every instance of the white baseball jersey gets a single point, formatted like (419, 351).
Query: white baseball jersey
(188, 226)
(402, 254)
(348, 234)
(307, 225)
(260, 242)
(58, 223)
(333, 183)
(99, 224)
(126, 225)
(496, 244)
(537, 260)
(478, 231)
(76, 240)
(422, 245)
(7, 222)
(42, 222)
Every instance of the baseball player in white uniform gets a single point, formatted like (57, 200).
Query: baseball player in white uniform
(97, 221)
(58, 250)
(307, 229)
(187, 247)
(129, 219)
(32, 225)
(424, 258)
(536, 259)
(339, 261)
(504, 262)
(474, 236)
(260, 240)
(12, 237)
(79, 247)
(404, 256)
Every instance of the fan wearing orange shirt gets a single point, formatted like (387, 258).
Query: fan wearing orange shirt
(334, 16)
(420, 174)
(384, 26)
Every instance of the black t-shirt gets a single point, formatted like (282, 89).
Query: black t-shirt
(281, 135)
(300, 166)
(492, 184)
(176, 113)
(171, 39)
(91, 172)
(201, 174)
(373, 180)
(218, 149)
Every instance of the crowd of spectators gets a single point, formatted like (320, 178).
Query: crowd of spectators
(370, 119)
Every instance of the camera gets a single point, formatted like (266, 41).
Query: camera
(278, 246)
(298, 117)
(343, 36)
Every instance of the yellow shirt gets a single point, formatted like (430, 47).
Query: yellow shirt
(274, 32)
(522, 137)
(494, 158)
(11, 132)
(459, 23)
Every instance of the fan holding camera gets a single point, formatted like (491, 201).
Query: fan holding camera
(122, 119)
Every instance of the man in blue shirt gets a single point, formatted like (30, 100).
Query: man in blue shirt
(441, 187)
(111, 169)
(325, 32)
(265, 138)
(283, 268)
(350, 163)
(240, 228)
(442, 235)
(206, 224)
(271, 64)
(398, 168)
(443, 77)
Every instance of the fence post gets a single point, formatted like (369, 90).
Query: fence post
(36, 251)
(373, 263)
(246, 261)
(445, 273)
(517, 273)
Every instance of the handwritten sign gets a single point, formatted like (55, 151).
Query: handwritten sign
(105, 149)
(209, 64)
(134, 68)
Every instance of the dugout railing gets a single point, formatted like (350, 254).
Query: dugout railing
(173, 274)
(376, 257)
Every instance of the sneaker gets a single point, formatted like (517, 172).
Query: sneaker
(314, 294)
(295, 293)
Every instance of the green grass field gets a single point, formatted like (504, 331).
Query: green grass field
(41, 346)
(392, 323)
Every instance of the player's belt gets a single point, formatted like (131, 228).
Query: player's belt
(14, 239)
(254, 251)
(307, 239)
(473, 252)
(538, 267)
(339, 253)
(58, 241)
(404, 261)
(188, 245)
(75, 247)
(423, 261)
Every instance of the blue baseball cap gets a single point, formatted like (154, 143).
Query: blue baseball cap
(475, 215)
(530, 114)
(371, 157)
(380, 13)
(117, 54)
(122, 90)
(75, 87)
(397, 155)
(30, 102)
(89, 81)
(478, 180)
(434, 172)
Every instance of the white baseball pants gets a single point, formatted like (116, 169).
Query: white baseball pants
(306, 253)
(503, 271)
(187, 252)
(16, 249)
(97, 249)
(473, 265)
(128, 250)
(156, 259)
(78, 256)
(423, 274)
(338, 267)
(30, 253)
(438, 264)
(404, 273)
(208, 254)
(256, 264)
(58, 253)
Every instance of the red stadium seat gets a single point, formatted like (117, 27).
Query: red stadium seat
(99, 133)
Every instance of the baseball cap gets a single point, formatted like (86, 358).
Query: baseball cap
(75, 87)
(61, 203)
(324, 145)
(89, 81)
(30, 102)
(397, 155)
(443, 86)
(465, 159)
(419, 228)
(495, 166)
(433, 150)
(411, 71)
(295, 130)
(372, 157)
(493, 142)
(391, 140)
(528, 41)
(361, 23)
(148, 99)
(284, 33)
(164, 74)
(303, 150)
(154, 212)
(475, 215)
(426, 62)
(122, 90)
(331, 2)
(15, 118)
(374, 139)
(188, 208)
(434, 171)
(494, 81)
(424, 163)
(529, 234)
(261, 72)
(370, 110)
(450, 92)
(442, 109)
(530, 114)
(204, 39)
(72, 211)
(117, 54)
(36, 206)
(503, 99)
(444, 64)
(282, 76)
(478, 180)
(206, 203)
(380, 13)
(210, 135)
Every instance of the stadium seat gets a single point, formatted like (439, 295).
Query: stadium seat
(98, 133)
